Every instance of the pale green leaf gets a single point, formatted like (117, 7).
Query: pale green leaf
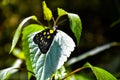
(47, 12)
(26, 31)
(100, 73)
(61, 12)
(18, 31)
(5, 73)
(75, 25)
(60, 73)
(45, 65)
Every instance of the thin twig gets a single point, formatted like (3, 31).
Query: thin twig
(73, 72)
(92, 52)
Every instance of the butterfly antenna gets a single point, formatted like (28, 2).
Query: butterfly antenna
(54, 25)
(62, 21)
(55, 22)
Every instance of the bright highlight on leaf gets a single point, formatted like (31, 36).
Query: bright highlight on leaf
(47, 12)
(18, 53)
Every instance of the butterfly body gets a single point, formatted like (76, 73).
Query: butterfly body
(44, 39)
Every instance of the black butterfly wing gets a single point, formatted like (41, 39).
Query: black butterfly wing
(44, 39)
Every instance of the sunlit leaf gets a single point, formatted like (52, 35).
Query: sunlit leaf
(5, 73)
(47, 12)
(26, 31)
(18, 53)
(44, 65)
(100, 73)
(61, 12)
(18, 32)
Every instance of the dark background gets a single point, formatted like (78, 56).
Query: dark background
(100, 21)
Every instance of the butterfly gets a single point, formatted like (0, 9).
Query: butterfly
(44, 39)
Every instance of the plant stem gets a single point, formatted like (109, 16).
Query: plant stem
(73, 72)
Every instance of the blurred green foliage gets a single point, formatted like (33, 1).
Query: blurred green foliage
(97, 16)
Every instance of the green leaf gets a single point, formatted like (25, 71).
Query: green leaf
(100, 73)
(80, 77)
(5, 73)
(45, 65)
(61, 12)
(75, 25)
(47, 12)
(18, 32)
(18, 53)
(27, 31)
